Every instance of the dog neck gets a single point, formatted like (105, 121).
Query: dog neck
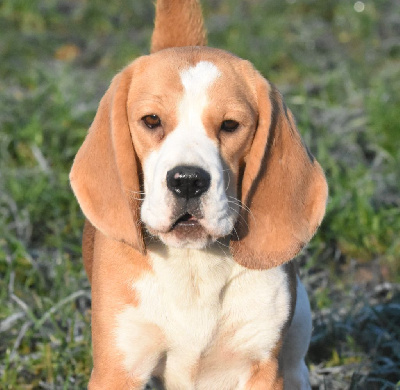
(193, 276)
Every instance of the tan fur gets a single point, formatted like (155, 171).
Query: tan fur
(178, 23)
(89, 233)
(111, 378)
(116, 266)
(102, 172)
(282, 187)
(266, 375)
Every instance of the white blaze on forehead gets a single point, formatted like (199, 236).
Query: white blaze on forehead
(196, 81)
(199, 76)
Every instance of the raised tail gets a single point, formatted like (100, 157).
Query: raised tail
(178, 23)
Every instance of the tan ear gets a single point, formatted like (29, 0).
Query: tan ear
(104, 176)
(283, 186)
(178, 23)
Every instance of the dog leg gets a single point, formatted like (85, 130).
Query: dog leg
(126, 349)
(180, 372)
(265, 376)
(114, 379)
(137, 350)
(296, 343)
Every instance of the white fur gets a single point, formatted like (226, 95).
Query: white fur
(133, 333)
(196, 297)
(188, 144)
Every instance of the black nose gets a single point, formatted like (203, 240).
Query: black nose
(187, 181)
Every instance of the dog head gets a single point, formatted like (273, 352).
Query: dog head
(193, 145)
(196, 145)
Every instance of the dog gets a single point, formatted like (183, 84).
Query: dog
(197, 191)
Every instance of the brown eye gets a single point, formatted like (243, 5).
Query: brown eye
(229, 126)
(151, 121)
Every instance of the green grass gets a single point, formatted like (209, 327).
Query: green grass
(339, 71)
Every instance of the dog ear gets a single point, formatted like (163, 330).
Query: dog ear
(283, 189)
(178, 23)
(104, 175)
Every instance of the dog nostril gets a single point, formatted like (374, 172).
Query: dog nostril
(188, 181)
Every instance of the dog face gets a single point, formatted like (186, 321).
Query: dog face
(191, 131)
(196, 145)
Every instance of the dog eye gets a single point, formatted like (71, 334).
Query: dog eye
(151, 121)
(229, 125)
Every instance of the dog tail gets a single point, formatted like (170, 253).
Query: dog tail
(178, 23)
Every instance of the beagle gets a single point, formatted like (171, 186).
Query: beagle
(197, 191)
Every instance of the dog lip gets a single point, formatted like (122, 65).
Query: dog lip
(186, 220)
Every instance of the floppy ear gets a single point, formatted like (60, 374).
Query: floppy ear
(283, 187)
(104, 174)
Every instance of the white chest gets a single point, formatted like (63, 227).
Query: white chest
(205, 303)
(183, 295)
(194, 295)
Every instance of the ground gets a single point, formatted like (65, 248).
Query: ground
(337, 64)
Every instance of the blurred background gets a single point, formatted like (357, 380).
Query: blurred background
(337, 63)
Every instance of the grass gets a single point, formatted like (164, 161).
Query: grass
(339, 71)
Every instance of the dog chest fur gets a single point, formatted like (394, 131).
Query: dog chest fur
(206, 305)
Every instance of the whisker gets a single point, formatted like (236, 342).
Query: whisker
(139, 222)
(232, 209)
(135, 192)
(149, 238)
(222, 245)
(132, 193)
(239, 215)
(241, 205)
(229, 182)
(237, 235)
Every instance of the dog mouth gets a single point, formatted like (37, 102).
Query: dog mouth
(185, 221)
(188, 230)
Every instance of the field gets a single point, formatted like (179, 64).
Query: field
(337, 64)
